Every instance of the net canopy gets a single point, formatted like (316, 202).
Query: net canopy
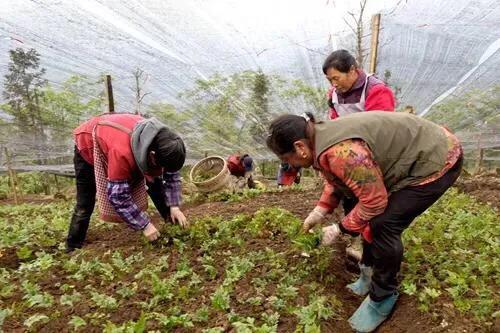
(218, 70)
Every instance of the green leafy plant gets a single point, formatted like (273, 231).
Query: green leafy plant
(35, 319)
(248, 270)
(311, 315)
(172, 321)
(201, 315)
(70, 300)
(131, 326)
(248, 325)
(104, 301)
(4, 313)
(127, 290)
(214, 330)
(308, 241)
(24, 253)
(163, 289)
(220, 298)
(34, 297)
(455, 240)
(77, 322)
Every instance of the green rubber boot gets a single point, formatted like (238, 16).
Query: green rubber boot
(371, 314)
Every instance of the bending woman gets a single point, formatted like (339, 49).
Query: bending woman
(397, 165)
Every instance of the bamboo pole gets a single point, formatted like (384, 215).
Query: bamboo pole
(374, 42)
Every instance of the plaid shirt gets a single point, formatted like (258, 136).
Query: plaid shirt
(120, 198)
(172, 188)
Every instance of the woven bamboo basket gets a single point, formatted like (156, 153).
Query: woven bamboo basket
(212, 165)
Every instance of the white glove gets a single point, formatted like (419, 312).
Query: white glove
(316, 216)
(241, 183)
(177, 216)
(150, 232)
(330, 234)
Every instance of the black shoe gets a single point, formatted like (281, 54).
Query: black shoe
(70, 249)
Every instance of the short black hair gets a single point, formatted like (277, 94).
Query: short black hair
(285, 130)
(340, 60)
(170, 152)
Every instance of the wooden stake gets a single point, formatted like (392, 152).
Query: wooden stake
(57, 183)
(374, 44)
(12, 176)
(109, 93)
(479, 162)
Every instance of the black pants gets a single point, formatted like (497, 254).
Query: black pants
(85, 201)
(348, 204)
(385, 253)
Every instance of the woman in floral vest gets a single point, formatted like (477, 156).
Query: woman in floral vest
(396, 164)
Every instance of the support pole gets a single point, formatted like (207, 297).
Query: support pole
(57, 183)
(374, 43)
(109, 94)
(480, 155)
(480, 160)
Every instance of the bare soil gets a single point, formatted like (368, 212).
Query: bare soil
(486, 188)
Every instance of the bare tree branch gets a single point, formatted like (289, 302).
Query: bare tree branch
(141, 78)
(140, 100)
(355, 24)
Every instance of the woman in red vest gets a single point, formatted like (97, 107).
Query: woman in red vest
(352, 90)
(114, 155)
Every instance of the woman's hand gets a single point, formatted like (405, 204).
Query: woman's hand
(177, 216)
(150, 232)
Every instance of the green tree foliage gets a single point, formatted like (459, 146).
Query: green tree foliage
(78, 100)
(23, 90)
(260, 104)
(470, 111)
(223, 115)
(167, 114)
(298, 92)
(44, 116)
(395, 89)
(231, 113)
(223, 111)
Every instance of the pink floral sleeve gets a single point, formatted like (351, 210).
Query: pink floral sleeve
(328, 199)
(351, 165)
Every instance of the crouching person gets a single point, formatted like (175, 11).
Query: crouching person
(287, 175)
(241, 166)
(116, 155)
(396, 165)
